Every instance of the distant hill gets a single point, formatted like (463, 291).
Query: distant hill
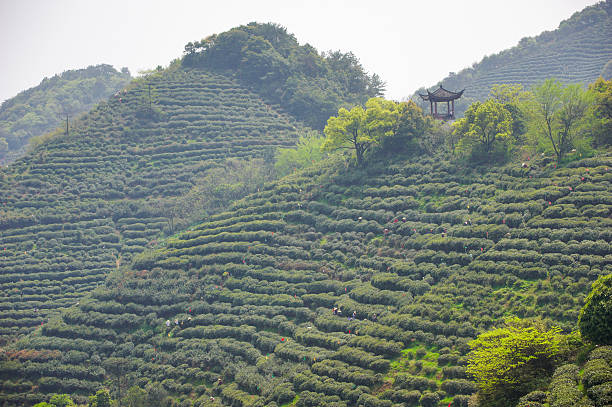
(424, 253)
(41, 109)
(78, 206)
(579, 51)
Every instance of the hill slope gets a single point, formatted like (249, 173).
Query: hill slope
(80, 205)
(423, 253)
(77, 206)
(579, 51)
(41, 109)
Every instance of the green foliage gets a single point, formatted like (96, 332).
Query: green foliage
(100, 399)
(602, 92)
(485, 127)
(306, 153)
(509, 362)
(360, 130)
(264, 56)
(563, 388)
(558, 114)
(595, 318)
(135, 397)
(43, 108)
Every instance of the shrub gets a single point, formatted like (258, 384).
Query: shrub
(595, 318)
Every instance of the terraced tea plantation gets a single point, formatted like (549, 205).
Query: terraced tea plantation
(78, 206)
(332, 287)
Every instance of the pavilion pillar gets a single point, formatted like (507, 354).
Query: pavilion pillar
(436, 108)
(453, 114)
(431, 107)
(448, 108)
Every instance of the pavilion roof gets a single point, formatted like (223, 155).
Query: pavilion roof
(441, 95)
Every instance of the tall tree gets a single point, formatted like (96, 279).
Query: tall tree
(602, 94)
(558, 114)
(347, 131)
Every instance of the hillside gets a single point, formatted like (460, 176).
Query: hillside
(419, 255)
(579, 51)
(267, 59)
(80, 205)
(43, 108)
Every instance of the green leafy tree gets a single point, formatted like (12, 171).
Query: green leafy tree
(61, 400)
(348, 131)
(602, 94)
(409, 130)
(595, 319)
(361, 129)
(558, 113)
(511, 361)
(135, 397)
(306, 152)
(483, 127)
(102, 398)
(57, 400)
(515, 100)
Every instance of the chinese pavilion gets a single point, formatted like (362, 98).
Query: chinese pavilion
(442, 95)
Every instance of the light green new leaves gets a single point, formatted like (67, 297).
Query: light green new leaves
(483, 125)
(508, 357)
(306, 152)
(360, 129)
(557, 115)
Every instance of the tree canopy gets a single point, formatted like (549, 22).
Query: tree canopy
(484, 126)
(509, 362)
(361, 129)
(558, 113)
(595, 318)
(602, 93)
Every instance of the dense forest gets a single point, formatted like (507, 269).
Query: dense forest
(43, 108)
(579, 51)
(199, 239)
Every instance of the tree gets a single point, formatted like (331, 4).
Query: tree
(61, 400)
(347, 130)
(57, 400)
(511, 361)
(306, 152)
(558, 113)
(100, 399)
(135, 397)
(595, 319)
(514, 99)
(361, 129)
(483, 126)
(601, 91)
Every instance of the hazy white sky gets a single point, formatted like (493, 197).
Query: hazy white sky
(408, 43)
